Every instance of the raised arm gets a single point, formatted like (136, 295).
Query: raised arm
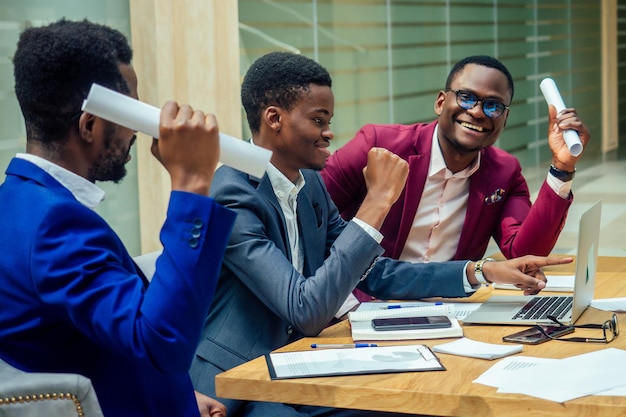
(188, 147)
(385, 176)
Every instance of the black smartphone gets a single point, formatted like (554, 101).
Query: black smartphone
(533, 336)
(407, 323)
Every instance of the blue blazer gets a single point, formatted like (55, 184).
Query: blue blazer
(262, 302)
(72, 301)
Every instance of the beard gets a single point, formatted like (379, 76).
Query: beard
(108, 170)
(111, 165)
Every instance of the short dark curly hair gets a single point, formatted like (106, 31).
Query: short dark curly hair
(485, 61)
(279, 79)
(54, 67)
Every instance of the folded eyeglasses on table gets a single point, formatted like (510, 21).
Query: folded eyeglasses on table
(610, 330)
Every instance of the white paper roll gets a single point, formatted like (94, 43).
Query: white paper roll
(551, 93)
(134, 114)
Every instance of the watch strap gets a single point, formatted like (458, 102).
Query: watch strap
(562, 175)
(478, 270)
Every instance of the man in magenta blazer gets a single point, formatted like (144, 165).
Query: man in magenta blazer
(461, 190)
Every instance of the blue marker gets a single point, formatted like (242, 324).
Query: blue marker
(342, 345)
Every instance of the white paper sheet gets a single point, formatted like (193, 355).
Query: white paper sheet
(557, 283)
(505, 370)
(134, 114)
(572, 377)
(477, 349)
(553, 96)
(610, 304)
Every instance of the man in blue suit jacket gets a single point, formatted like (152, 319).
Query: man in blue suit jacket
(71, 298)
(291, 260)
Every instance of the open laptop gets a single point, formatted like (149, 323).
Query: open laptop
(524, 310)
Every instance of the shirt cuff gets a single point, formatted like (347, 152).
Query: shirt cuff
(467, 287)
(562, 188)
(375, 234)
(347, 305)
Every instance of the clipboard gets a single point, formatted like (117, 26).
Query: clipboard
(352, 361)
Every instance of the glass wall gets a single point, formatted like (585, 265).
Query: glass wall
(389, 58)
(121, 208)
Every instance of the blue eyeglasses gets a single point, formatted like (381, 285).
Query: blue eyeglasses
(468, 100)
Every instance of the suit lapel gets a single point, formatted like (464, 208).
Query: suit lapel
(418, 171)
(309, 232)
(267, 191)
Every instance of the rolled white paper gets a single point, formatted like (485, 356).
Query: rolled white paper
(551, 93)
(134, 114)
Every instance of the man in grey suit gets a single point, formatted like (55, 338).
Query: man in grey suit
(291, 260)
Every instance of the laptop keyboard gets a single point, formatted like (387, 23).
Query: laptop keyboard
(539, 308)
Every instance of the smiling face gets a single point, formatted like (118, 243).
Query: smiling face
(301, 135)
(462, 133)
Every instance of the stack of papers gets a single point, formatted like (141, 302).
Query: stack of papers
(361, 322)
(476, 349)
(577, 376)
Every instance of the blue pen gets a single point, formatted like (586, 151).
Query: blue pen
(341, 345)
(391, 307)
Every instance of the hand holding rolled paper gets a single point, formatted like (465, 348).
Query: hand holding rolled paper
(551, 94)
(134, 114)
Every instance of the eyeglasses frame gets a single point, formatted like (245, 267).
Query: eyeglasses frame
(611, 324)
(459, 102)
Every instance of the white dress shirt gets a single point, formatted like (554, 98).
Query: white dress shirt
(287, 194)
(440, 214)
(86, 192)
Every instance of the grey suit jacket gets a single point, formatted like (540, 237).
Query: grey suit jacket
(262, 302)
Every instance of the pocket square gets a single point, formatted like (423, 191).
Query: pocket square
(495, 197)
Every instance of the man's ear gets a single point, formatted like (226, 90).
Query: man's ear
(272, 116)
(441, 97)
(86, 125)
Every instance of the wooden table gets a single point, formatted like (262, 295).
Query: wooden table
(449, 393)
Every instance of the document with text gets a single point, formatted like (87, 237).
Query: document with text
(594, 373)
